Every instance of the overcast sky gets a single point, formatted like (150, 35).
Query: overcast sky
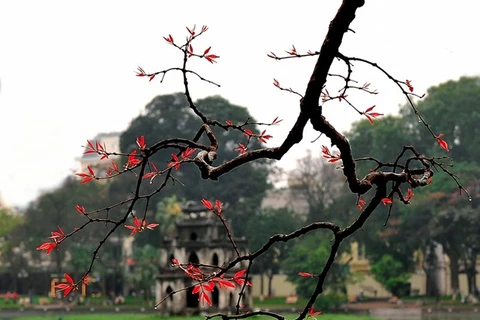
(67, 67)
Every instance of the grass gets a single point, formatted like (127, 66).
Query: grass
(156, 317)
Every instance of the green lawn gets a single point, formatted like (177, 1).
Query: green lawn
(155, 317)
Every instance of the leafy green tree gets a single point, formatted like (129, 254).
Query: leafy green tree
(307, 255)
(170, 116)
(390, 272)
(57, 208)
(453, 108)
(10, 240)
(145, 269)
(274, 221)
(381, 141)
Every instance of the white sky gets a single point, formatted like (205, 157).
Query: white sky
(67, 67)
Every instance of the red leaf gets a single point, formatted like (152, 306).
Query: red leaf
(152, 225)
(80, 209)
(207, 204)
(192, 32)
(169, 39)
(409, 85)
(276, 120)
(68, 278)
(241, 148)
(47, 246)
(187, 153)
(219, 206)
(211, 58)
(443, 144)
(196, 289)
(409, 194)
(205, 298)
(248, 132)
(387, 201)
(224, 283)
(305, 274)
(191, 51)
(207, 50)
(240, 273)
(209, 286)
(67, 291)
(140, 72)
(360, 204)
(371, 115)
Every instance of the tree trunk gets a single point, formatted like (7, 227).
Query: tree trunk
(262, 283)
(454, 270)
(270, 278)
(471, 271)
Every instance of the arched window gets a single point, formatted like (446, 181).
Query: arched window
(169, 292)
(170, 259)
(215, 259)
(193, 258)
(215, 297)
(192, 299)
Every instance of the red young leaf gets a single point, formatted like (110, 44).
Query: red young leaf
(192, 31)
(222, 283)
(328, 155)
(443, 144)
(240, 273)
(409, 194)
(196, 289)
(387, 201)
(205, 298)
(140, 226)
(241, 148)
(248, 132)
(190, 51)
(305, 274)
(169, 39)
(47, 246)
(371, 115)
(360, 204)
(68, 278)
(132, 160)
(80, 209)
(276, 120)
(207, 51)
(187, 153)
(207, 204)
(140, 72)
(409, 85)
(175, 162)
(219, 206)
